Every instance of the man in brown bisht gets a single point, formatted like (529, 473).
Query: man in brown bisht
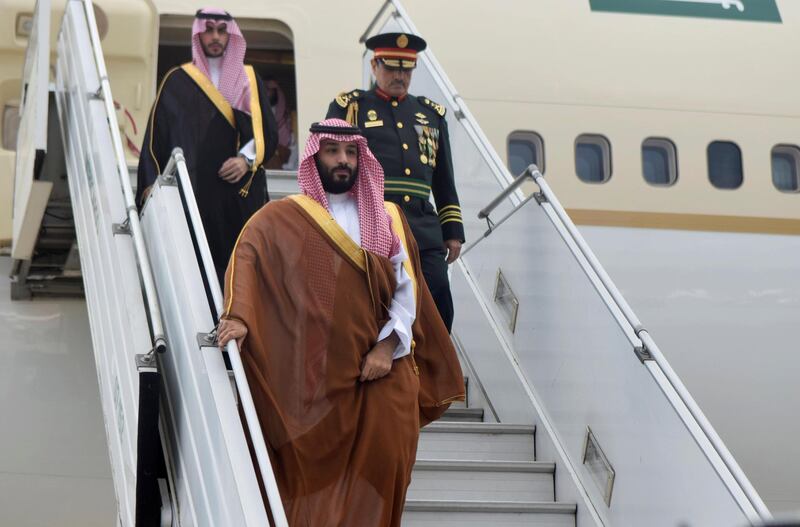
(344, 349)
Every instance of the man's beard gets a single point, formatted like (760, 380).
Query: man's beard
(211, 55)
(336, 186)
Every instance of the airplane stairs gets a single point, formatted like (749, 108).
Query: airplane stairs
(574, 416)
(470, 472)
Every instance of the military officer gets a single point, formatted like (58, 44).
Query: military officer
(409, 137)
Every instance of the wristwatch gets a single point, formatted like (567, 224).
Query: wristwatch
(247, 160)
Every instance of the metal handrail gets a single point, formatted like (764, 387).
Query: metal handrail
(587, 252)
(654, 353)
(705, 425)
(453, 99)
(177, 163)
(504, 194)
(374, 21)
(657, 356)
(148, 283)
(527, 174)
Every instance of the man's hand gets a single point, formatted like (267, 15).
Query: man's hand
(233, 169)
(453, 250)
(378, 362)
(230, 329)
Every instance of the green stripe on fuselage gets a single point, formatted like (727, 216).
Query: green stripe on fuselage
(751, 10)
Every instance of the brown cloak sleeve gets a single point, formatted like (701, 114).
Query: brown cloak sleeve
(440, 378)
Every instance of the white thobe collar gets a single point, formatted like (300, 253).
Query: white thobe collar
(214, 69)
(344, 209)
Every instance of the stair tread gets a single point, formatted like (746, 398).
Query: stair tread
(491, 506)
(464, 410)
(485, 466)
(479, 428)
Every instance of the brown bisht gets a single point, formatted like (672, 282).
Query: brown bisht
(313, 302)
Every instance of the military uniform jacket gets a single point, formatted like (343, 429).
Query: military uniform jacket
(409, 138)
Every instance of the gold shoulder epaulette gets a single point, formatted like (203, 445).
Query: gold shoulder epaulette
(438, 108)
(344, 98)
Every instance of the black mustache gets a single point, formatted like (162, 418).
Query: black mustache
(344, 166)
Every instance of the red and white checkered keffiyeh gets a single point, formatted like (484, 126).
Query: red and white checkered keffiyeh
(233, 83)
(375, 224)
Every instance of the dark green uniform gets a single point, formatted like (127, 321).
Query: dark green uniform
(409, 138)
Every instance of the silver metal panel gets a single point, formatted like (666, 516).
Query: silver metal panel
(30, 196)
(581, 366)
(724, 308)
(211, 466)
(113, 295)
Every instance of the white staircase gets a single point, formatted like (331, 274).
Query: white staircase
(473, 473)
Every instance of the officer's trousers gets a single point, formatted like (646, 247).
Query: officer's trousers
(434, 268)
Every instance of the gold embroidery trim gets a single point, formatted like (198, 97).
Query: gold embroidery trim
(397, 227)
(454, 207)
(233, 267)
(352, 113)
(332, 229)
(258, 129)
(153, 118)
(342, 99)
(452, 399)
(398, 181)
(211, 92)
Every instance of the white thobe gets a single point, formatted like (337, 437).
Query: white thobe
(402, 311)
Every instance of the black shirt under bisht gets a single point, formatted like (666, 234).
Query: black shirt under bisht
(184, 116)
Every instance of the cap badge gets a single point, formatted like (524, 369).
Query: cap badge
(402, 41)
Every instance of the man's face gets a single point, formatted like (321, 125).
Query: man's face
(394, 81)
(337, 162)
(214, 39)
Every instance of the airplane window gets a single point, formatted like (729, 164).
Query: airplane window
(11, 119)
(525, 148)
(593, 158)
(786, 167)
(725, 165)
(659, 161)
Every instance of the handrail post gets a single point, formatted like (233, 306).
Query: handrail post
(528, 173)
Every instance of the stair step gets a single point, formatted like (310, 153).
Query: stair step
(458, 404)
(445, 513)
(477, 442)
(473, 415)
(482, 480)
